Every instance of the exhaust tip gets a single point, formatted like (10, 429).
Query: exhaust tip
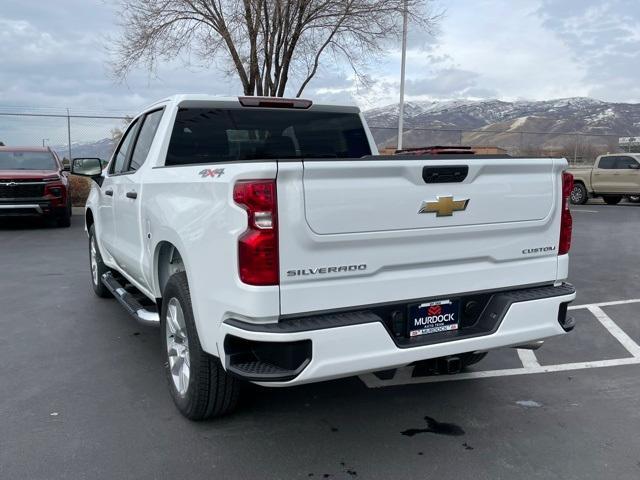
(452, 365)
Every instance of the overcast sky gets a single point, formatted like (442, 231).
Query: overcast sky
(52, 55)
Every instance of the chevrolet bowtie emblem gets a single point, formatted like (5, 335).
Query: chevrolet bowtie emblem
(444, 206)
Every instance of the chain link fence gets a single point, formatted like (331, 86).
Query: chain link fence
(68, 134)
(577, 148)
(78, 134)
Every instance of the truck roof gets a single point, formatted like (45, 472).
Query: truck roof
(195, 99)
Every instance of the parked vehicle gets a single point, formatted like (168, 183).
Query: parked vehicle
(33, 182)
(612, 177)
(273, 246)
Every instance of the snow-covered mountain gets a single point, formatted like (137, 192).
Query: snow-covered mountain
(102, 148)
(520, 125)
(554, 118)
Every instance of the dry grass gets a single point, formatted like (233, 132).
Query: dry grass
(80, 187)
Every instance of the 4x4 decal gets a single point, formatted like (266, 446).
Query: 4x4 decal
(214, 173)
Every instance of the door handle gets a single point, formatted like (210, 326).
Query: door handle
(109, 192)
(132, 194)
(448, 174)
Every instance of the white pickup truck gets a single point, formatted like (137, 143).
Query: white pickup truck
(273, 245)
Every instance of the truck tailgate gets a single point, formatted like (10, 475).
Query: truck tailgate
(361, 232)
(355, 197)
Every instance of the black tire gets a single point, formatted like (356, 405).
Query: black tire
(472, 358)
(579, 194)
(210, 390)
(64, 217)
(98, 287)
(634, 198)
(612, 199)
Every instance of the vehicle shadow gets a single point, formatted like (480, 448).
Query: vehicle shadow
(600, 202)
(24, 223)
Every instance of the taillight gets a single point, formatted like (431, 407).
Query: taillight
(258, 245)
(566, 221)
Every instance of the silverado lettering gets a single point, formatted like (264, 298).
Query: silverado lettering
(323, 270)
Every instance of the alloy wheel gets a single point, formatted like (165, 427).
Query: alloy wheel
(94, 261)
(177, 346)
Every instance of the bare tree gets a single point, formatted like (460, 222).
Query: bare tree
(117, 132)
(263, 42)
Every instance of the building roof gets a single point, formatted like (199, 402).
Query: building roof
(8, 148)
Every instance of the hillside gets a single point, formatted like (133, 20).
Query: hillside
(102, 148)
(518, 126)
(525, 124)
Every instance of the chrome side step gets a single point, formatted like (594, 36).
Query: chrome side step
(129, 302)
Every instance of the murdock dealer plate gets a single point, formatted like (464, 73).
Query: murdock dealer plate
(433, 317)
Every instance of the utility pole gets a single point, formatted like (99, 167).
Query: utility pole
(402, 69)
(69, 135)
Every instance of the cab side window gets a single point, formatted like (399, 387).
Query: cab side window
(145, 139)
(626, 163)
(608, 163)
(121, 155)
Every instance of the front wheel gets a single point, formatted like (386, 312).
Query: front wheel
(634, 198)
(199, 386)
(579, 195)
(64, 217)
(612, 199)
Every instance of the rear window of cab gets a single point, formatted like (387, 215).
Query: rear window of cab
(204, 135)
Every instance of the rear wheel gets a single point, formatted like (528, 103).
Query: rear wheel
(98, 268)
(200, 387)
(579, 195)
(612, 199)
(634, 198)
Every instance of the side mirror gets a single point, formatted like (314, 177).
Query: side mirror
(87, 167)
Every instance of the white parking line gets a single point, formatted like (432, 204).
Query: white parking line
(528, 358)
(605, 304)
(371, 381)
(530, 364)
(632, 347)
(584, 211)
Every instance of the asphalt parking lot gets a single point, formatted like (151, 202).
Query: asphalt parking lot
(83, 395)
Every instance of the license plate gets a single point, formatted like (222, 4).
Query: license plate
(433, 317)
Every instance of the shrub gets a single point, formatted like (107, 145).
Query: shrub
(80, 187)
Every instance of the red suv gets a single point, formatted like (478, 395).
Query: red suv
(33, 182)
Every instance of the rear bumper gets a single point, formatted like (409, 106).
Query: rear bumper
(331, 346)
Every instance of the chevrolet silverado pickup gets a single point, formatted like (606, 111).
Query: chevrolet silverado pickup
(612, 177)
(273, 245)
(33, 182)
